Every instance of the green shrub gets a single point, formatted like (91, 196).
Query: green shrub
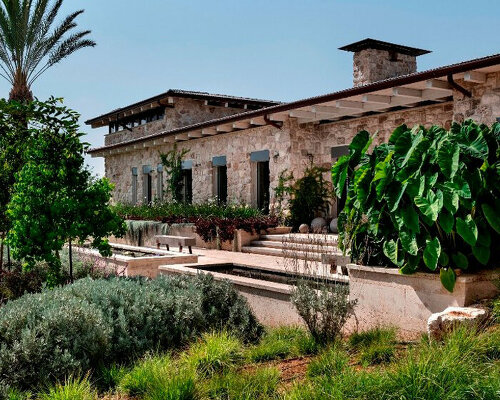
(142, 315)
(79, 327)
(72, 389)
(157, 212)
(220, 304)
(214, 353)
(429, 198)
(261, 384)
(283, 342)
(325, 311)
(50, 336)
(309, 196)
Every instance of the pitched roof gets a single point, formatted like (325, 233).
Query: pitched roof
(449, 70)
(186, 94)
(381, 45)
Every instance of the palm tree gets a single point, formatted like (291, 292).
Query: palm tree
(29, 45)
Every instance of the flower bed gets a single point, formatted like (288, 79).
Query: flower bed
(211, 221)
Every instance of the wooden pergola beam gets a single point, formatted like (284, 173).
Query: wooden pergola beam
(475, 77)
(209, 131)
(407, 92)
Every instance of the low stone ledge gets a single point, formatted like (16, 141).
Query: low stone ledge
(386, 297)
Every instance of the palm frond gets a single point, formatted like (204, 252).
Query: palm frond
(29, 44)
(63, 50)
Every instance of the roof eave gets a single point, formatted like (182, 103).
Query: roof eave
(359, 90)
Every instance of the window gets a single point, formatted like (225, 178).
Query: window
(187, 181)
(134, 186)
(261, 179)
(220, 181)
(263, 186)
(147, 193)
(159, 182)
(339, 151)
(187, 186)
(137, 120)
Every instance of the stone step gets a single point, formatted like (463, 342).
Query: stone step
(327, 240)
(269, 251)
(290, 246)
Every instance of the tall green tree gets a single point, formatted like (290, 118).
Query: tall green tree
(55, 199)
(31, 42)
(15, 136)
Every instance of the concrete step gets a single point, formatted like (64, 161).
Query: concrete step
(270, 251)
(290, 246)
(305, 238)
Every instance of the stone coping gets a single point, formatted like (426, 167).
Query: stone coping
(237, 280)
(490, 275)
(155, 253)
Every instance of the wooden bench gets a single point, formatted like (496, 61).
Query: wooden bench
(181, 241)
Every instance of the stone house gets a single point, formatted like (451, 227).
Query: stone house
(237, 147)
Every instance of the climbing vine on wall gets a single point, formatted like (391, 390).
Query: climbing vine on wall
(172, 161)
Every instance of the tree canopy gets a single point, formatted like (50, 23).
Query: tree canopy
(55, 199)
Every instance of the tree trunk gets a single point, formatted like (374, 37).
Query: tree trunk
(70, 262)
(2, 238)
(20, 91)
(8, 258)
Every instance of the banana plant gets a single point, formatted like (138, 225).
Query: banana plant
(428, 199)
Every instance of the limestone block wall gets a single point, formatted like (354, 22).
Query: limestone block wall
(236, 146)
(293, 146)
(483, 106)
(184, 112)
(372, 65)
(319, 139)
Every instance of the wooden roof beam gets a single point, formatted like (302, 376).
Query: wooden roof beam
(181, 137)
(259, 121)
(407, 92)
(302, 114)
(195, 134)
(209, 131)
(278, 117)
(438, 85)
(376, 98)
(224, 128)
(355, 105)
(242, 125)
(324, 109)
(475, 77)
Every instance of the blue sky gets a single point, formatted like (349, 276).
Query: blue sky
(275, 49)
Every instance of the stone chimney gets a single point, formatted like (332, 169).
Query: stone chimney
(375, 60)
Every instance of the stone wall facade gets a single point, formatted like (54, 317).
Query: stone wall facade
(294, 145)
(236, 146)
(373, 65)
(184, 112)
